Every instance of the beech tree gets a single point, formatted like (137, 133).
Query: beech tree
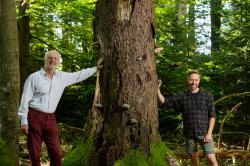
(124, 114)
(9, 83)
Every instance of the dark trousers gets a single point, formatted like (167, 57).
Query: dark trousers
(42, 127)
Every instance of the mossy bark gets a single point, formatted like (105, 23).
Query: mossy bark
(9, 79)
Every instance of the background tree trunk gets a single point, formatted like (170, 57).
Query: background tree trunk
(124, 115)
(182, 11)
(24, 41)
(215, 25)
(191, 28)
(181, 30)
(9, 80)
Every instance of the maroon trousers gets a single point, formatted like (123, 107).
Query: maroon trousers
(42, 127)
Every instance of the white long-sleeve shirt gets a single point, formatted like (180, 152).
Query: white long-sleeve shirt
(43, 94)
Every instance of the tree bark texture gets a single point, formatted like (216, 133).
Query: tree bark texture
(180, 32)
(124, 114)
(215, 24)
(182, 11)
(9, 78)
(191, 29)
(24, 41)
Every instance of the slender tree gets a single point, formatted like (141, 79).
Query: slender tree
(191, 28)
(24, 41)
(215, 24)
(181, 29)
(182, 10)
(9, 80)
(124, 114)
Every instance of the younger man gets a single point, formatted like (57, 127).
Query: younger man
(198, 112)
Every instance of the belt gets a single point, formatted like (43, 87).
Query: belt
(37, 112)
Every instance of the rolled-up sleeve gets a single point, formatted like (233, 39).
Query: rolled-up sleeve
(211, 107)
(28, 91)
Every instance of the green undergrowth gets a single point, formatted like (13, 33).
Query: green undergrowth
(6, 157)
(80, 155)
(158, 152)
(133, 158)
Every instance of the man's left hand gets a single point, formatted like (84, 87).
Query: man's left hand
(208, 138)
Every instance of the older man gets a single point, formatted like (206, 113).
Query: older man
(41, 94)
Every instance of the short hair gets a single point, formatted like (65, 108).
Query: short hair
(51, 52)
(193, 72)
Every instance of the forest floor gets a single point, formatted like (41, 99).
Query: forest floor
(24, 155)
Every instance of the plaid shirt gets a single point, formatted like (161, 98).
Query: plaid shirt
(196, 108)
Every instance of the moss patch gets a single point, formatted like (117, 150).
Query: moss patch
(80, 155)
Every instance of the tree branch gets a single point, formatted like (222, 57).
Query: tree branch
(232, 95)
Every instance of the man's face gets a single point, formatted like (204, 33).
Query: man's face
(52, 61)
(193, 81)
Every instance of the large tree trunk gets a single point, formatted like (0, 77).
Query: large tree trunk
(124, 114)
(9, 80)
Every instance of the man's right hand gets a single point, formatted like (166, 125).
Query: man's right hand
(160, 96)
(24, 2)
(100, 63)
(25, 129)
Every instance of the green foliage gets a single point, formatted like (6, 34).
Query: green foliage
(80, 155)
(158, 152)
(133, 158)
(5, 155)
(65, 26)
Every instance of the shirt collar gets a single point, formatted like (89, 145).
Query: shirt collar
(200, 91)
(43, 72)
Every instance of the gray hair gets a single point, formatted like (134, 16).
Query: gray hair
(50, 53)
